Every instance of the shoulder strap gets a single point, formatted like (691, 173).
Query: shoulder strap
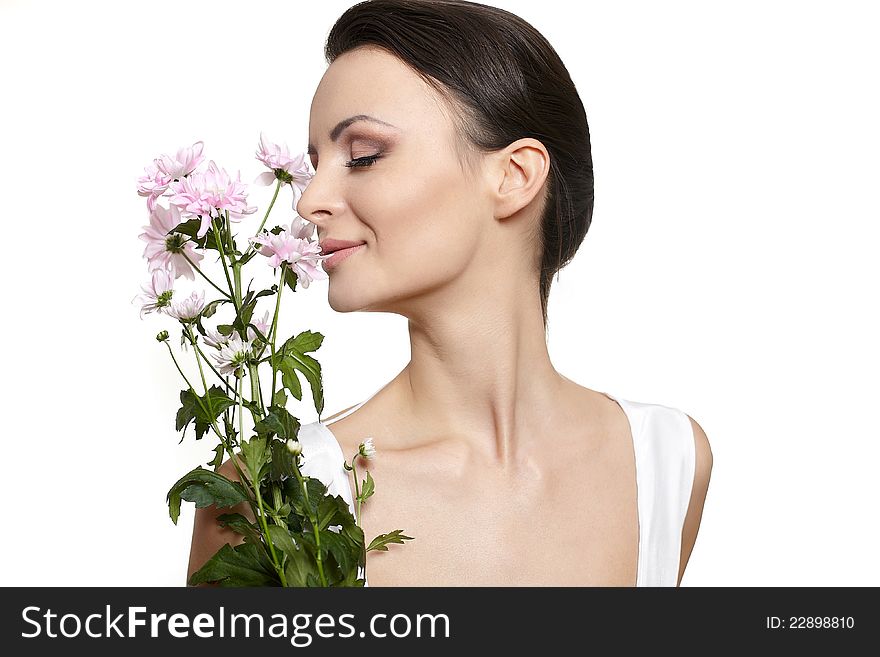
(665, 454)
(353, 408)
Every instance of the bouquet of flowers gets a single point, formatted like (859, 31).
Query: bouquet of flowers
(302, 536)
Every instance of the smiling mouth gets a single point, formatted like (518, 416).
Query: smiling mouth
(340, 255)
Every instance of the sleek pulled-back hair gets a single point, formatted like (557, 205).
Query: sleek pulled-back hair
(502, 81)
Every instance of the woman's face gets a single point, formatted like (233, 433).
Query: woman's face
(421, 216)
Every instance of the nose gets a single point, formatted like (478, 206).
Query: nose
(318, 202)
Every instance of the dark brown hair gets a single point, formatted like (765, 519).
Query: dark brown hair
(504, 81)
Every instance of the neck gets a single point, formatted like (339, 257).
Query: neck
(484, 368)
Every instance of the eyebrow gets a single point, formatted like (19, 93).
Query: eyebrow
(342, 125)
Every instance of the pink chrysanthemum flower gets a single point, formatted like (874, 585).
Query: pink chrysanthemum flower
(304, 230)
(152, 184)
(157, 297)
(167, 251)
(233, 355)
(291, 169)
(184, 163)
(186, 310)
(164, 170)
(301, 255)
(263, 326)
(208, 193)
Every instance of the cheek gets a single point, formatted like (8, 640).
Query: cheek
(422, 211)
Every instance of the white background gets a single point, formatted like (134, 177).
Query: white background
(731, 269)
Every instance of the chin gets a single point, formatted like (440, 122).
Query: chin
(345, 301)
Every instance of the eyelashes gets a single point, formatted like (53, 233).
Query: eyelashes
(367, 161)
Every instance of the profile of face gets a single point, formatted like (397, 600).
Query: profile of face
(424, 220)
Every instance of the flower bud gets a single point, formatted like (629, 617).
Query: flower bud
(162, 336)
(294, 446)
(366, 449)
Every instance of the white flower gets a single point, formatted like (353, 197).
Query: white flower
(366, 449)
(188, 309)
(233, 355)
(294, 446)
(215, 338)
(157, 297)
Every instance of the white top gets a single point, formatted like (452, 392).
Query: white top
(665, 459)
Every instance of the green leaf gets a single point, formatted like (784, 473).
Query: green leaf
(294, 493)
(305, 342)
(289, 378)
(281, 464)
(293, 356)
(217, 461)
(243, 565)
(195, 407)
(280, 398)
(204, 488)
(368, 488)
(282, 540)
(302, 567)
(241, 525)
(289, 277)
(381, 541)
(343, 552)
(211, 308)
(256, 457)
(269, 425)
(191, 227)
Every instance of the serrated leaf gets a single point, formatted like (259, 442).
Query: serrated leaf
(382, 540)
(241, 525)
(217, 461)
(368, 487)
(195, 407)
(256, 457)
(293, 356)
(282, 540)
(190, 228)
(301, 568)
(294, 493)
(344, 553)
(204, 487)
(280, 398)
(281, 464)
(243, 565)
(289, 277)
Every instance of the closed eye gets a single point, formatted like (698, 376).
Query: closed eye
(366, 161)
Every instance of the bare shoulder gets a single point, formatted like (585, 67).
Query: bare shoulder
(702, 474)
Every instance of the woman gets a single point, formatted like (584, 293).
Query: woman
(450, 144)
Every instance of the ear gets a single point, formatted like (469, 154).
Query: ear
(520, 172)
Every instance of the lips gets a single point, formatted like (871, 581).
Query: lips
(332, 261)
(330, 245)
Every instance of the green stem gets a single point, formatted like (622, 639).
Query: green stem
(192, 341)
(213, 423)
(314, 520)
(196, 267)
(357, 491)
(256, 483)
(219, 242)
(219, 376)
(357, 516)
(251, 251)
(275, 329)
